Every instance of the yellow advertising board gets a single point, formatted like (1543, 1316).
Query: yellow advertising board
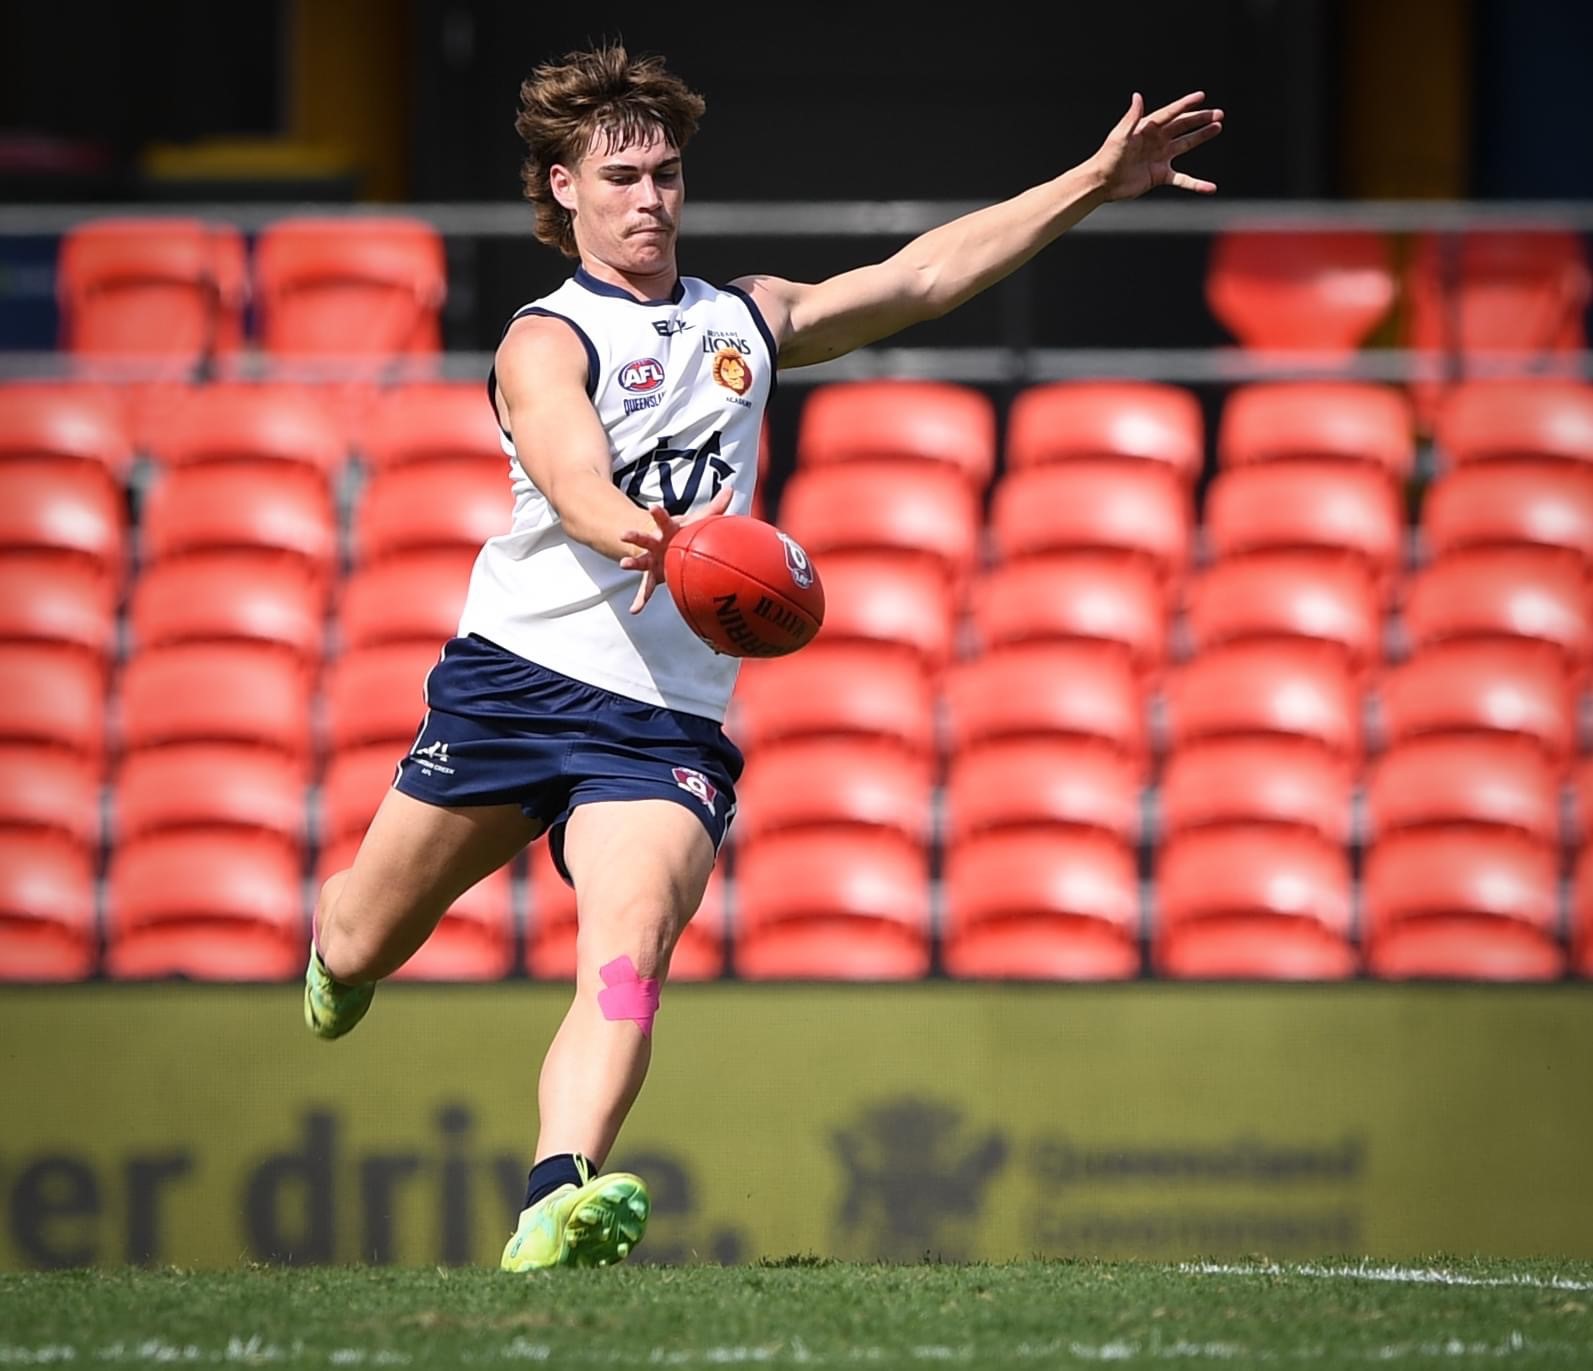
(202, 1126)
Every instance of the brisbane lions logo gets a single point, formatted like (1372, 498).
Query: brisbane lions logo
(731, 371)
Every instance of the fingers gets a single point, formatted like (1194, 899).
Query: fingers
(1136, 108)
(1193, 140)
(1188, 123)
(1167, 113)
(648, 584)
(1183, 182)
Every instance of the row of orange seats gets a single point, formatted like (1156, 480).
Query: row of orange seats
(178, 287)
(1239, 901)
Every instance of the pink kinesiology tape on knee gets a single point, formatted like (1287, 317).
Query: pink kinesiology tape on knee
(627, 995)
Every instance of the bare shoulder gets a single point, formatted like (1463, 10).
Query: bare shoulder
(773, 296)
(542, 344)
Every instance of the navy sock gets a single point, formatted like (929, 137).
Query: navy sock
(567, 1168)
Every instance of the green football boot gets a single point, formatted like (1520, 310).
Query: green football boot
(331, 1008)
(595, 1224)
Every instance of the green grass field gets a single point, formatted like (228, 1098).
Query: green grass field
(812, 1313)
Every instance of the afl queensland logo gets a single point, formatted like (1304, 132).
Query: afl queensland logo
(796, 562)
(641, 376)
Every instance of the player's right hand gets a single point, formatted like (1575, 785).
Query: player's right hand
(650, 560)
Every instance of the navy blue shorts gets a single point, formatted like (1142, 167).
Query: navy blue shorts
(502, 730)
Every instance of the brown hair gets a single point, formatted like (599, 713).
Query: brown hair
(564, 105)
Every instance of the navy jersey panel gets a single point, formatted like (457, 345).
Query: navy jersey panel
(502, 730)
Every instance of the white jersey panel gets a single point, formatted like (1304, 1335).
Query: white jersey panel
(680, 386)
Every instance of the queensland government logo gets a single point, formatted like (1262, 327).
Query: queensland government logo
(915, 1181)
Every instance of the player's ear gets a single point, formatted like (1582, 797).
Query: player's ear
(561, 181)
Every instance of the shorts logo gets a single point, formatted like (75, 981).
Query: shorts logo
(643, 375)
(731, 371)
(695, 784)
(433, 757)
(796, 562)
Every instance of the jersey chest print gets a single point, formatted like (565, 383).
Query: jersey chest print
(673, 477)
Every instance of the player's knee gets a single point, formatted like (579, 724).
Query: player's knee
(347, 950)
(643, 930)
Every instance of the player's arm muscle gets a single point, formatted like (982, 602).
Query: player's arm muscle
(931, 276)
(541, 370)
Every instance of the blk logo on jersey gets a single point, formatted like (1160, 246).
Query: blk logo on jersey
(664, 328)
(695, 784)
(641, 376)
(659, 470)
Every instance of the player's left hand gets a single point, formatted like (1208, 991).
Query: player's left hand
(1138, 153)
(650, 560)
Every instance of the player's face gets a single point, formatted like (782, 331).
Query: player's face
(627, 204)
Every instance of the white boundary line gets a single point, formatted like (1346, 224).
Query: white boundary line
(1400, 1275)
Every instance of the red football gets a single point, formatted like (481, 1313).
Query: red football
(744, 587)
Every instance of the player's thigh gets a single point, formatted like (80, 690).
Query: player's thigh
(640, 868)
(416, 859)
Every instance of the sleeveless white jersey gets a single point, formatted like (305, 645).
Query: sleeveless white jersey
(680, 386)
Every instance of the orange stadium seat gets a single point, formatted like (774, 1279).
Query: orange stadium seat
(1532, 505)
(1324, 510)
(251, 424)
(50, 794)
(1137, 511)
(550, 952)
(240, 694)
(900, 421)
(1583, 800)
(1039, 905)
(1487, 294)
(830, 906)
(1118, 606)
(153, 288)
(1443, 782)
(1301, 694)
(214, 598)
(1315, 290)
(840, 692)
(1253, 781)
(52, 699)
(47, 925)
(1515, 600)
(44, 603)
(76, 424)
(207, 906)
(68, 514)
(209, 509)
(377, 695)
(1511, 421)
(1107, 420)
(1253, 903)
(211, 786)
(884, 602)
(431, 507)
(437, 421)
(868, 507)
(1582, 913)
(1318, 421)
(1462, 904)
(1043, 691)
(349, 287)
(1041, 786)
(1469, 688)
(405, 599)
(353, 786)
(830, 784)
(1281, 598)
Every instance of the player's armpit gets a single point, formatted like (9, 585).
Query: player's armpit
(541, 371)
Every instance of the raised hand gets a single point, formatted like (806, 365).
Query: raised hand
(652, 542)
(1138, 153)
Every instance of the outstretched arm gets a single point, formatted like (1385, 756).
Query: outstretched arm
(941, 269)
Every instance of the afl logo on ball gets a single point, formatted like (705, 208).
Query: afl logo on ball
(796, 562)
(643, 375)
(731, 371)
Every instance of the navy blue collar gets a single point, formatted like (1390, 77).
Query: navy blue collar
(585, 278)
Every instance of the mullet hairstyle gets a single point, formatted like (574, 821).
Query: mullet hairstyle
(566, 105)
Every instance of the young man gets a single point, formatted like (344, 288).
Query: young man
(575, 701)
